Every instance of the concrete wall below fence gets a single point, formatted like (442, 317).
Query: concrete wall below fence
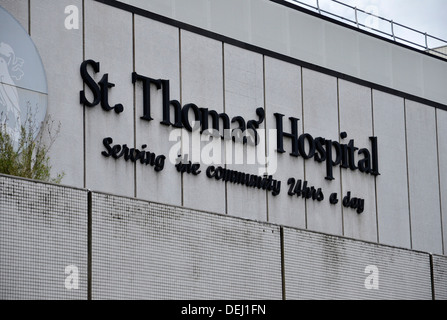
(126, 248)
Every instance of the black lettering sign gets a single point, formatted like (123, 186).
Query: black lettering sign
(100, 91)
(134, 155)
(192, 117)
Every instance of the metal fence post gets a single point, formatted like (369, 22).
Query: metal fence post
(356, 17)
(392, 30)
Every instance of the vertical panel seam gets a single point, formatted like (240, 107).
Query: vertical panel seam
(375, 177)
(432, 278)
(302, 127)
(89, 244)
(341, 175)
(84, 111)
(283, 271)
(439, 181)
(181, 101)
(265, 138)
(224, 105)
(408, 171)
(29, 17)
(134, 105)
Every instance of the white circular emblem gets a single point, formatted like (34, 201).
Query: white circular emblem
(23, 84)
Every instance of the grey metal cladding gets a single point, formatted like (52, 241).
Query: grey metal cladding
(43, 229)
(319, 266)
(142, 250)
(440, 277)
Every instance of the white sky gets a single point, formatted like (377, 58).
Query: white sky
(424, 15)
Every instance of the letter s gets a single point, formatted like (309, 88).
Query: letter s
(88, 80)
(107, 142)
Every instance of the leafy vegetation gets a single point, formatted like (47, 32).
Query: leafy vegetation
(28, 156)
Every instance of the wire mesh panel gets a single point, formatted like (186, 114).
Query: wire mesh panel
(440, 277)
(319, 266)
(142, 250)
(43, 241)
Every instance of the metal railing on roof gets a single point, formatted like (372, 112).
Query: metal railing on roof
(378, 25)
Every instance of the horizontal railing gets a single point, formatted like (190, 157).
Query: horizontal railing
(369, 20)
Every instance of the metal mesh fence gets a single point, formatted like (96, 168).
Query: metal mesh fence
(141, 250)
(43, 229)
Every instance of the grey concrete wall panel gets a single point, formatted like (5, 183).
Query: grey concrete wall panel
(193, 11)
(43, 229)
(393, 218)
(356, 120)
(244, 93)
(440, 277)
(407, 78)
(375, 60)
(19, 10)
(202, 84)
(422, 149)
(239, 28)
(320, 119)
(319, 266)
(433, 73)
(309, 47)
(341, 49)
(263, 14)
(64, 84)
(283, 95)
(441, 117)
(115, 55)
(316, 44)
(157, 55)
(142, 250)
